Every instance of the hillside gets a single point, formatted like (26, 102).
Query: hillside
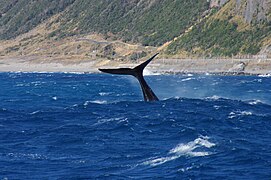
(20, 16)
(130, 29)
(238, 28)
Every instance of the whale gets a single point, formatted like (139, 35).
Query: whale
(137, 72)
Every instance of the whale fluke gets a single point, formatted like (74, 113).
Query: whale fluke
(137, 72)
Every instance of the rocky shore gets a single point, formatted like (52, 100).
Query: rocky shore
(161, 66)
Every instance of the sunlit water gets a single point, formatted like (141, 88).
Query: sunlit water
(87, 126)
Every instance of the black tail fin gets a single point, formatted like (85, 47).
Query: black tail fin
(121, 71)
(128, 71)
(143, 65)
(138, 73)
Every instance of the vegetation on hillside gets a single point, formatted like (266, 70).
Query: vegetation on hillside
(20, 16)
(184, 27)
(220, 38)
(151, 23)
(225, 33)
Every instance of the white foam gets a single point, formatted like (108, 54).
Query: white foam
(104, 93)
(21, 85)
(74, 72)
(28, 156)
(183, 149)
(95, 102)
(214, 97)
(254, 102)
(159, 161)
(186, 169)
(189, 147)
(118, 120)
(239, 113)
(54, 98)
(147, 72)
(35, 112)
(245, 113)
(265, 75)
(187, 79)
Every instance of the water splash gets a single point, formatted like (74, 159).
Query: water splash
(184, 149)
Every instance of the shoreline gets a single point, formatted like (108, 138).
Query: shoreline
(231, 67)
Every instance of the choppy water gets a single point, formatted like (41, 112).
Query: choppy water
(87, 126)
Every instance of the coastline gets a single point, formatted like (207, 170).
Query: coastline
(160, 66)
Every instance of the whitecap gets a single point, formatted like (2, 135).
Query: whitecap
(118, 120)
(54, 98)
(265, 75)
(104, 93)
(184, 149)
(33, 156)
(35, 112)
(214, 97)
(186, 169)
(189, 147)
(239, 113)
(20, 85)
(79, 161)
(254, 102)
(95, 102)
(245, 113)
(159, 161)
(147, 72)
(73, 72)
(187, 79)
(4, 109)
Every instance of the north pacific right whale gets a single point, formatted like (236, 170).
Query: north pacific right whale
(137, 72)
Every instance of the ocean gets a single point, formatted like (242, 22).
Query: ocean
(97, 126)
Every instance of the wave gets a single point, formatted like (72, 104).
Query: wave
(118, 120)
(265, 75)
(214, 97)
(34, 112)
(239, 113)
(27, 156)
(187, 149)
(180, 99)
(187, 79)
(254, 102)
(104, 93)
(95, 102)
(147, 72)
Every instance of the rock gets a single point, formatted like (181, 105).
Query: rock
(217, 3)
(240, 67)
(255, 10)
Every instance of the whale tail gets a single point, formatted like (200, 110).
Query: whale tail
(137, 72)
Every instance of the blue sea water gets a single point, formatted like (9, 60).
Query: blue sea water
(96, 126)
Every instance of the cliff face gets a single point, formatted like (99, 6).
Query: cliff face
(254, 11)
(250, 10)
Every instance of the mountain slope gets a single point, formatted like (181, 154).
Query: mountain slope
(180, 28)
(238, 28)
(20, 16)
(151, 22)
